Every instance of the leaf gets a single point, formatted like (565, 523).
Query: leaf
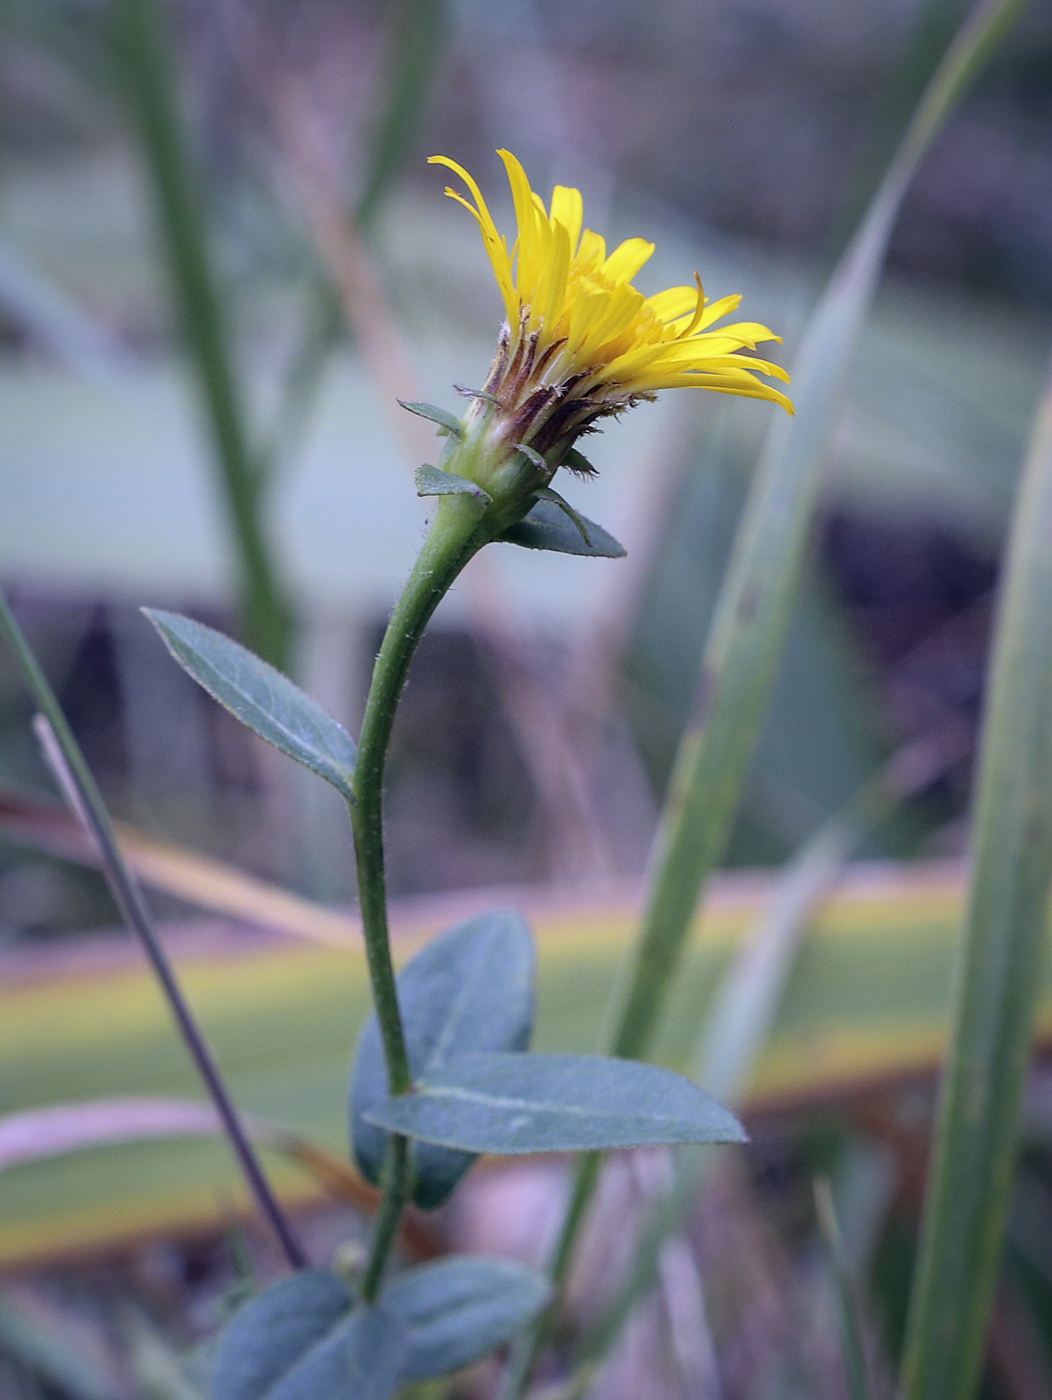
(470, 989)
(513, 1104)
(547, 494)
(533, 457)
(362, 1359)
(577, 462)
(261, 698)
(300, 1340)
(433, 481)
(546, 527)
(274, 1330)
(456, 1310)
(441, 416)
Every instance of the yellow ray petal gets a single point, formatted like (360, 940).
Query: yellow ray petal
(673, 303)
(568, 210)
(492, 241)
(627, 258)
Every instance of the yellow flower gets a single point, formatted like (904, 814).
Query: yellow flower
(581, 342)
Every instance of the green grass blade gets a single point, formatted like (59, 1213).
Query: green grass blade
(755, 606)
(1004, 947)
(415, 38)
(853, 1353)
(757, 598)
(143, 49)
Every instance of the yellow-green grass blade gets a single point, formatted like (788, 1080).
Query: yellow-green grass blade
(762, 583)
(1004, 949)
(866, 1003)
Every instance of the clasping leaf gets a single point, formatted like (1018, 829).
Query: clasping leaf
(470, 989)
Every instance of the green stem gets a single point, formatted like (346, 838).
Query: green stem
(455, 535)
(85, 799)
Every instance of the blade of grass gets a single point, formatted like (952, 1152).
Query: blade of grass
(71, 772)
(1002, 955)
(736, 1029)
(757, 597)
(416, 29)
(756, 601)
(28, 819)
(48, 1354)
(142, 45)
(853, 1353)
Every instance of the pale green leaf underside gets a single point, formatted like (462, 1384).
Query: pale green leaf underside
(548, 527)
(261, 698)
(433, 481)
(523, 1103)
(441, 416)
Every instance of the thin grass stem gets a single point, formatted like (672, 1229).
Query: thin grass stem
(67, 762)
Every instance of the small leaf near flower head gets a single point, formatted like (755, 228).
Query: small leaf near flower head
(476, 394)
(441, 416)
(469, 989)
(577, 462)
(547, 494)
(433, 481)
(547, 527)
(533, 456)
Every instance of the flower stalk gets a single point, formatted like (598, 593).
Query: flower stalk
(457, 532)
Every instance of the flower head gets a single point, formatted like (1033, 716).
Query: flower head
(580, 341)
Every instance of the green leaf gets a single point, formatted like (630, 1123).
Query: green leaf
(471, 989)
(300, 1340)
(441, 416)
(513, 1104)
(533, 457)
(578, 462)
(483, 394)
(433, 481)
(547, 494)
(547, 527)
(261, 698)
(456, 1310)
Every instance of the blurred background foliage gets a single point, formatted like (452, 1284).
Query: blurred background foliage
(321, 273)
(222, 256)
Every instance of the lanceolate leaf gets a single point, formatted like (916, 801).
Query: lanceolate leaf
(441, 416)
(456, 1310)
(471, 989)
(548, 527)
(547, 494)
(433, 481)
(261, 698)
(555, 1103)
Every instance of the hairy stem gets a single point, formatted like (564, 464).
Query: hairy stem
(454, 537)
